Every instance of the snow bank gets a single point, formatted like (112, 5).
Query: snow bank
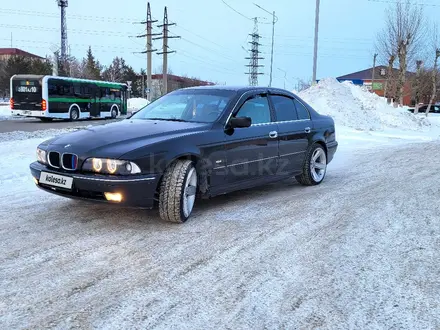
(136, 103)
(5, 111)
(355, 107)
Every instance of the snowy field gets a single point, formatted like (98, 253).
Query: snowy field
(358, 251)
(5, 112)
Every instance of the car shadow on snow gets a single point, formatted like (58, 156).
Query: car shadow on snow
(88, 212)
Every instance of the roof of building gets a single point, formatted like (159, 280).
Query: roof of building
(182, 79)
(381, 72)
(17, 52)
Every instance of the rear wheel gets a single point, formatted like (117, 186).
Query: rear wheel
(74, 113)
(178, 191)
(315, 166)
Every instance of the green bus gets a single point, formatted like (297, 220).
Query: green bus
(54, 97)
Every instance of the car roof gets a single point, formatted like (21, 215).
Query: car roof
(241, 89)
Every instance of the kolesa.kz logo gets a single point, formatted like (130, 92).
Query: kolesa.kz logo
(56, 180)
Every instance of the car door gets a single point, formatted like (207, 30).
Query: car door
(94, 101)
(252, 152)
(294, 129)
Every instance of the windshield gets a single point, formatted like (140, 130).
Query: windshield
(192, 106)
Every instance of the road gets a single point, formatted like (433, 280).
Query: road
(359, 251)
(32, 125)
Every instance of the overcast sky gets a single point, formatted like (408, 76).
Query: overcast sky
(213, 36)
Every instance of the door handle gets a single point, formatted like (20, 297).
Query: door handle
(307, 130)
(273, 134)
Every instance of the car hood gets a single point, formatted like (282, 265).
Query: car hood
(116, 139)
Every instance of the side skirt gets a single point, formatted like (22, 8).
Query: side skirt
(246, 184)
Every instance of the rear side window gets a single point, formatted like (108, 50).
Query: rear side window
(303, 113)
(284, 108)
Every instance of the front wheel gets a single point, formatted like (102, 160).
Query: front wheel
(178, 191)
(315, 166)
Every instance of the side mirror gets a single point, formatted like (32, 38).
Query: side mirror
(240, 122)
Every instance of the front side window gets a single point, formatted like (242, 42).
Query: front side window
(303, 113)
(284, 108)
(194, 106)
(257, 108)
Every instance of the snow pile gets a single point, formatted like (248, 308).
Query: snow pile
(136, 103)
(41, 134)
(355, 107)
(5, 112)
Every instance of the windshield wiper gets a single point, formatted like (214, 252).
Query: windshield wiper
(167, 119)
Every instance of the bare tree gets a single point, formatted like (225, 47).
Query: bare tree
(390, 78)
(401, 39)
(434, 76)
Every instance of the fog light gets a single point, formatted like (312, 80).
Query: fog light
(35, 180)
(113, 197)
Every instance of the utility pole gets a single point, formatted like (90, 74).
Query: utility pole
(315, 52)
(165, 50)
(63, 5)
(253, 59)
(274, 20)
(148, 33)
(374, 72)
(143, 85)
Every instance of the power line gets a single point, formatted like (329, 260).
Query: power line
(199, 36)
(212, 51)
(241, 14)
(47, 29)
(232, 8)
(55, 15)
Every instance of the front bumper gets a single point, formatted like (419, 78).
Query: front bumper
(136, 191)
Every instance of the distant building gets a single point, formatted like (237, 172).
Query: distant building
(6, 53)
(174, 82)
(364, 78)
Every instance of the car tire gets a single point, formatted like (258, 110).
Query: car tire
(74, 114)
(315, 166)
(178, 191)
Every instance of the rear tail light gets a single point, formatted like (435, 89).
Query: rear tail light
(11, 103)
(43, 105)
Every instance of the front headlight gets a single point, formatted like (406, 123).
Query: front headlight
(110, 166)
(41, 156)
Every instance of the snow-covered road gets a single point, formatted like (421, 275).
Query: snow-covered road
(359, 251)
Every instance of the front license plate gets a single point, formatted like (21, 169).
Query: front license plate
(27, 112)
(56, 180)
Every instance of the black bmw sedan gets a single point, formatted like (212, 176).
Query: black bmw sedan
(191, 143)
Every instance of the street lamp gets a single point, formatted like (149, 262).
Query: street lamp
(285, 77)
(315, 52)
